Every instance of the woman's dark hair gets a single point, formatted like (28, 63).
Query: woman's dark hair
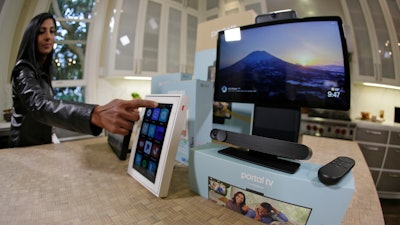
(27, 49)
(266, 206)
(244, 199)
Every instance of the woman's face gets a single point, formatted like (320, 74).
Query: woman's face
(239, 198)
(46, 37)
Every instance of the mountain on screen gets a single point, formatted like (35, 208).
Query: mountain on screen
(264, 73)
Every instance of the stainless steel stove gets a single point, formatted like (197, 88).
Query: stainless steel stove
(336, 125)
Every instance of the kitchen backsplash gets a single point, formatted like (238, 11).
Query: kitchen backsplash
(372, 100)
(109, 89)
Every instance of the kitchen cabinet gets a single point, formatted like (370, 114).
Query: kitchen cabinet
(126, 33)
(395, 138)
(375, 175)
(372, 135)
(389, 182)
(392, 158)
(122, 43)
(380, 146)
(151, 37)
(375, 28)
(373, 154)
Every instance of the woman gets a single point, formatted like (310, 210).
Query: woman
(238, 203)
(35, 111)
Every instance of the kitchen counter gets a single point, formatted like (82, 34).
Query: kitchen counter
(84, 182)
(389, 125)
(4, 133)
(4, 125)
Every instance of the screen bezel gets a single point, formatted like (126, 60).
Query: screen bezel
(160, 186)
(255, 97)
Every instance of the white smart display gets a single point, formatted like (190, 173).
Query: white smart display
(157, 135)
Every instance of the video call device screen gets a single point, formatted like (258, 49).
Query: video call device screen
(295, 62)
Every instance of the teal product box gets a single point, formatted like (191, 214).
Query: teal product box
(298, 198)
(199, 126)
(202, 61)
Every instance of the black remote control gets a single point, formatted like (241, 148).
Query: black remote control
(335, 170)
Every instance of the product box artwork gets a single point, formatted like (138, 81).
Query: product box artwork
(298, 198)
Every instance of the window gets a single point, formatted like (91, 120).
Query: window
(73, 20)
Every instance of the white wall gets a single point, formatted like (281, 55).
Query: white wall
(373, 99)
(109, 89)
(8, 22)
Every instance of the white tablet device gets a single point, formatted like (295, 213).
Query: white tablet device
(156, 138)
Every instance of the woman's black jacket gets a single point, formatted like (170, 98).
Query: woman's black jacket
(35, 112)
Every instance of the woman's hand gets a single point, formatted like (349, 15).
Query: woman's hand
(119, 115)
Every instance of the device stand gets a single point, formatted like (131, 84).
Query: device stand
(277, 122)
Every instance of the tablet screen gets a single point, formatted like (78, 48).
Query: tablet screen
(151, 139)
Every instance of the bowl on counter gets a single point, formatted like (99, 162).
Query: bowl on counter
(7, 114)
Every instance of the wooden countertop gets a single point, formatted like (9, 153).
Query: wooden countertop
(365, 207)
(83, 182)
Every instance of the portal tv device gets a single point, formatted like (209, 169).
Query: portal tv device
(157, 135)
(119, 144)
(285, 64)
(268, 152)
